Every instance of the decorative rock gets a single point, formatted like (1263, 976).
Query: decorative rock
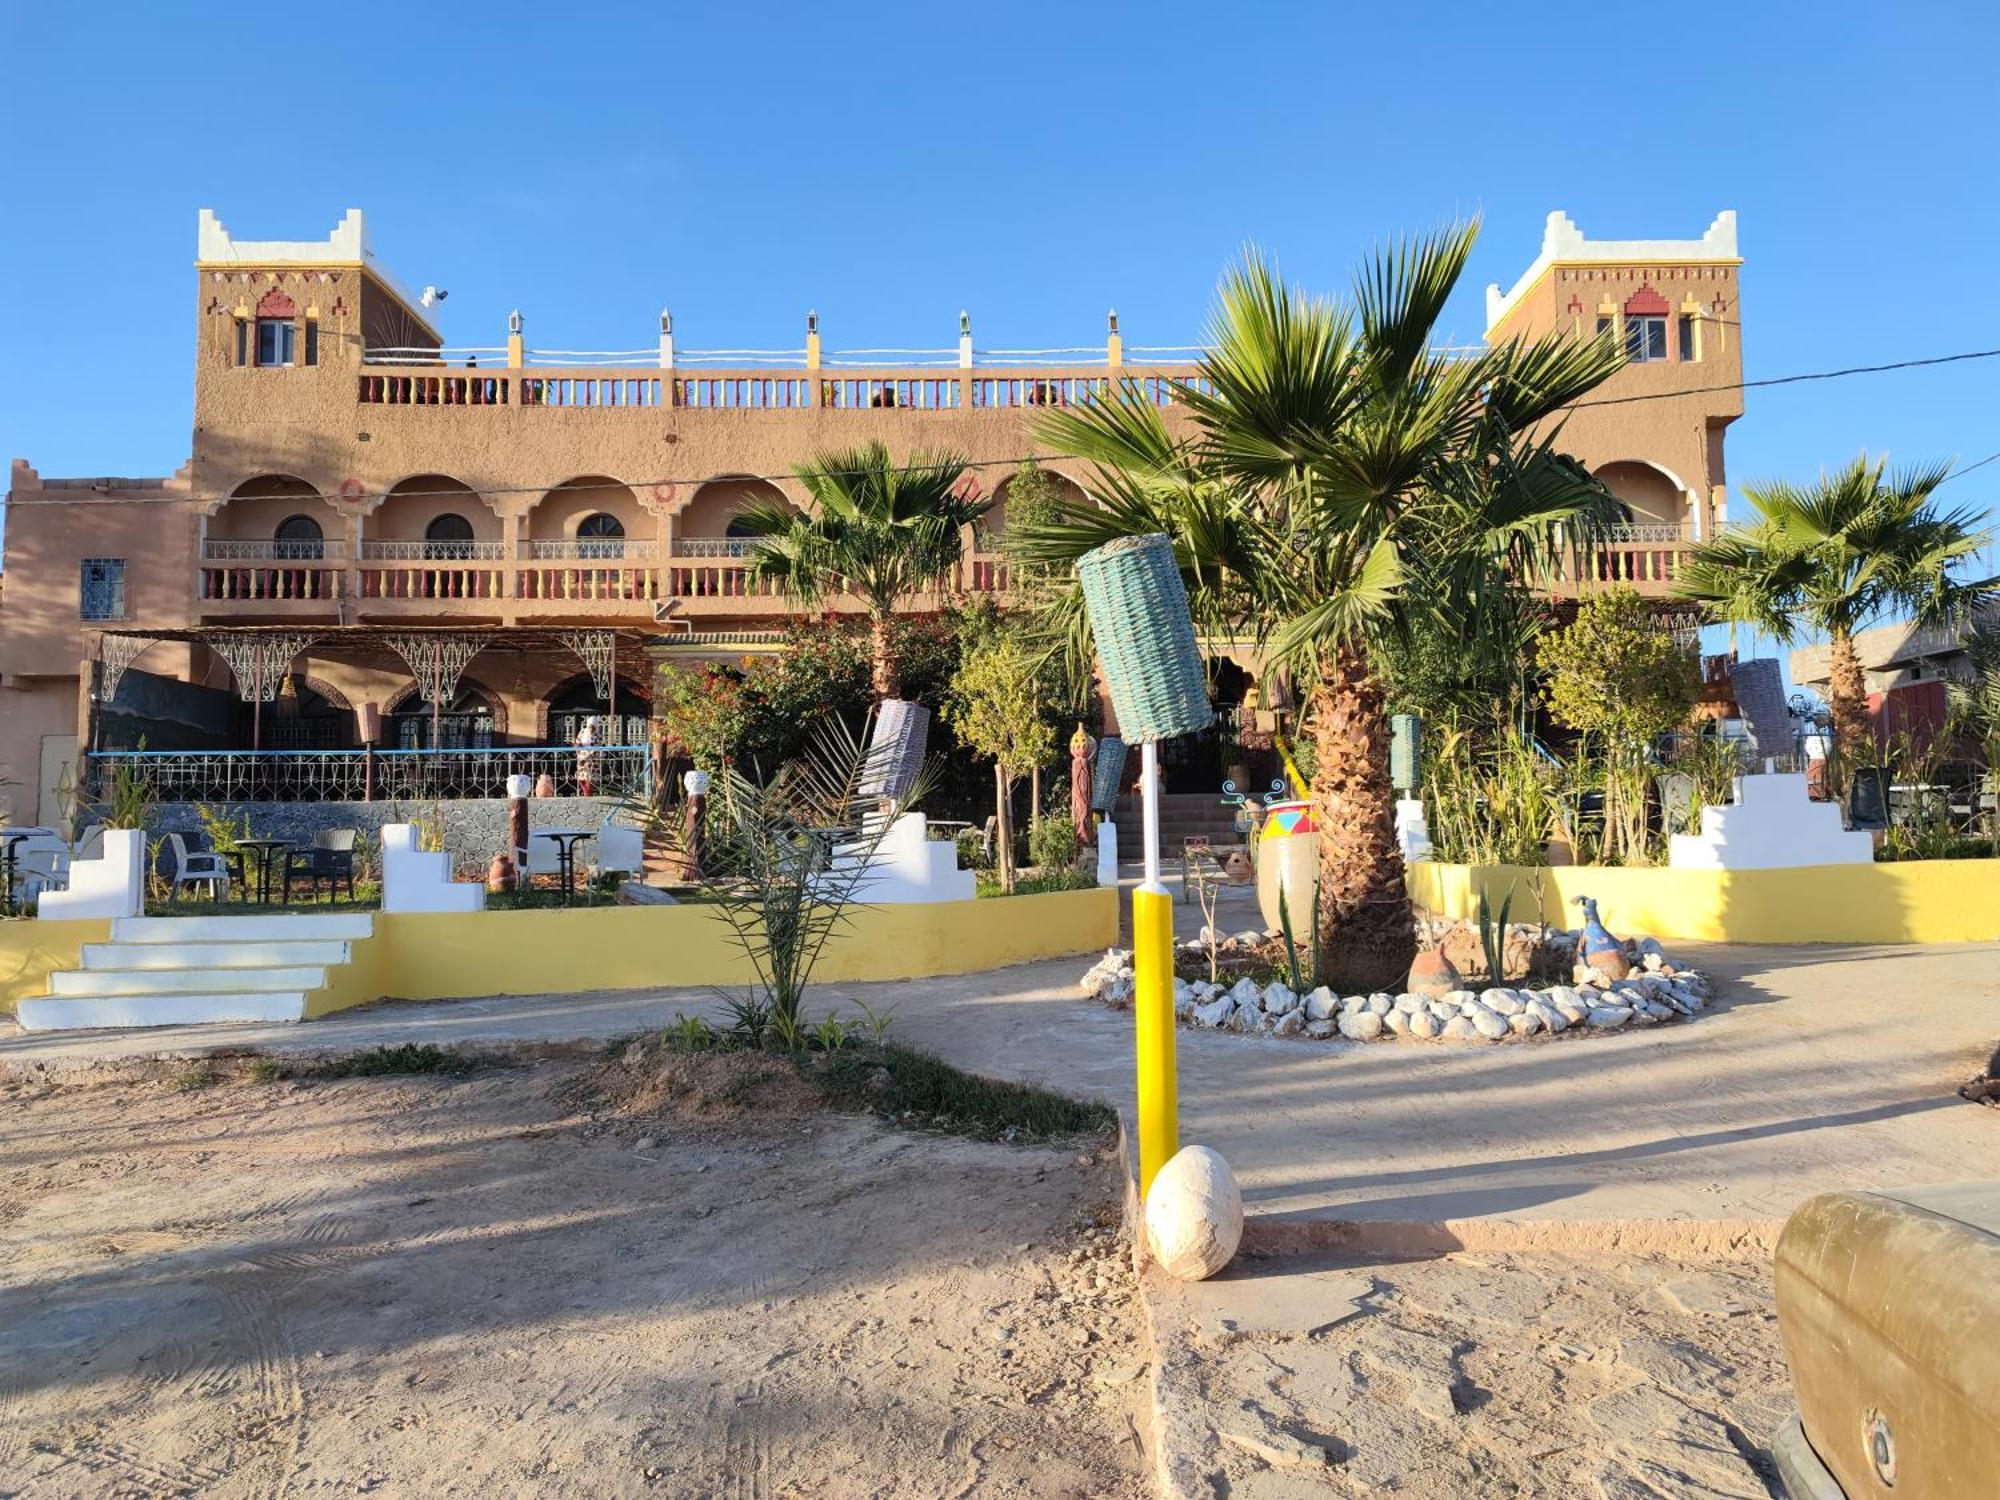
(1501, 1002)
(1291, 1023)
(1362, 1026)
(1524, 1023)
(1278, 1000)
(1322, 1029)
(1182, 990)
(1353, 1004)
(1552, 1019)
(1605, 1017)
(1381, 1004)
(1459, 1029)
(1441, 1011)
(1423, 1025)
(1398, 1022)
(1215, 1013)
(1194, 1215)
(1245, 992)
(1409, 1004)
(1249, 937)
(1322, 1004)
(1489, 1025)
(1432, 975)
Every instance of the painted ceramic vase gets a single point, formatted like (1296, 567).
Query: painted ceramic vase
(1598, 949)
(1288, 861)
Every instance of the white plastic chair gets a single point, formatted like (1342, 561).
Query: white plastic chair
(40, 865)
(197, 869)
(544, 857)
(620, 848)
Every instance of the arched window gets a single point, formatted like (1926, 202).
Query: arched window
(600, 534)
(299, 538)
(448, 537)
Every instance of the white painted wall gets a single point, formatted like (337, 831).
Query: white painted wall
(414, 879)
(1772, 825)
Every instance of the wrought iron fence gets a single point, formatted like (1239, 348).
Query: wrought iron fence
(378, 775)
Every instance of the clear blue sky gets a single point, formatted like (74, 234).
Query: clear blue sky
(891, 163)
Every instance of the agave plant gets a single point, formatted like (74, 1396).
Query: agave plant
(1343, 478)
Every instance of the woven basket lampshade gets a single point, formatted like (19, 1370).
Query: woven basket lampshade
(896, 748)
(1106, 772)
(1145, 638)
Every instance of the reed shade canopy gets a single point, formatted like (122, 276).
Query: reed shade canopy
(1106, 772)
(896, 749)
(1139, 615)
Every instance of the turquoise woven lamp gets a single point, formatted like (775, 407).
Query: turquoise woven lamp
(1145, 638)
(1107, 771)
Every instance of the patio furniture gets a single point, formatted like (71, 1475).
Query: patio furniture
(328, 861)
(202, 868)
(265, 853)
(41, 864)
(11, 840)
(621, 849)
(565, 841)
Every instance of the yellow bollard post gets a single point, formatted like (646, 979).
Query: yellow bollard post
(1153, 1015)
(1153, 988)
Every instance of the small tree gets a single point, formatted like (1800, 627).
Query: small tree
(1617, 674)
(997, 708)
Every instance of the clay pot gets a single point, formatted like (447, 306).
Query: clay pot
(1432, 975)
(1237, 869)
(1288, 861)
(545, 785)
(500, 873)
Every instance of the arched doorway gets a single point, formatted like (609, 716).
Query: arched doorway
(1649, 496)
(628, 721)
(448, 536)
(305, 718)
(466, 723)
(600, 535)
(299, 537)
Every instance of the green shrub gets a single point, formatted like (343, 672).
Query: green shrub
(1052, 844)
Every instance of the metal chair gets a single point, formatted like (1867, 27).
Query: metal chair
(202, 868)
(328, 860)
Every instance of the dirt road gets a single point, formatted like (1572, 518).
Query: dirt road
(481, 1285)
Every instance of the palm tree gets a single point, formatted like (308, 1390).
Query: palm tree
(1834, 558)
(1343, 477)
(879, 529)
(1975, 709)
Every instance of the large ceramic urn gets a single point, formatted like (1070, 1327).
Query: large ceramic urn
(1288, 861)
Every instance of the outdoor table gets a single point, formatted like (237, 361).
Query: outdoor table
(566, 840)
(264, 852)
(12, 837)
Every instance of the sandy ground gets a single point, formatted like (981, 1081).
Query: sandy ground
(437, 1286)
(1472, 1378)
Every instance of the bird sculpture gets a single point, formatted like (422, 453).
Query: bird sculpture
(1597, 950)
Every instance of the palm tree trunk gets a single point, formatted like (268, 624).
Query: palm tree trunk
(886, 680)
(1847, 696)
(1367, 935)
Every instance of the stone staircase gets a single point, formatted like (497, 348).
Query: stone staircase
(178, 971)
(1183, 815)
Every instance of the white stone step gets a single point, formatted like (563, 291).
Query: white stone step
(51, 1013)
(263, 955)
(190, 981)
(276, 927)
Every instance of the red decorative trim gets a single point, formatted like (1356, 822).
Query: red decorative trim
(1647, 303)
(276, 304)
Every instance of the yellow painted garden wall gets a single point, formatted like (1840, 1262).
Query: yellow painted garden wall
(1911, 901)
(31, 950)
(436, 956)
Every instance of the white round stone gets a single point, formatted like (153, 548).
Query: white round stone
(1398, 1022)
(1322, 1029)
(1459, 1029)
(1549, 1016)
(1291, 1023)
(1409, 1004)
(1278, 999)
(1381, 1004)
(1194, 1215)
(1489, 1025)
(1322, 1004)
(1605, 1017)
(1362, 1026)
(1423, 1025)
(1526, 1023)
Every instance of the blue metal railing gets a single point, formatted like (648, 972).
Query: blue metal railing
(377, 775)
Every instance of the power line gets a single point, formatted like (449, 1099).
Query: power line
(676, 481)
